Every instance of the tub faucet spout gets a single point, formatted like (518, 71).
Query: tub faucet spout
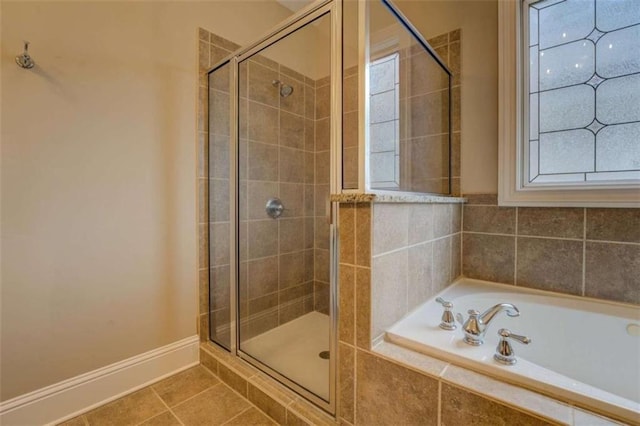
(475, 327)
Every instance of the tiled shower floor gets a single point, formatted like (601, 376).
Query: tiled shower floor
(192, 397)
(293, 349)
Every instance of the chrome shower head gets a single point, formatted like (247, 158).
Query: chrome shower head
(285, 89)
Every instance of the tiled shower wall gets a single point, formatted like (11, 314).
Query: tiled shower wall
(284, 272)
(593, 252)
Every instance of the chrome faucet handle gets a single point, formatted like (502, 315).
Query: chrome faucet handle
(504, 352)
(448, 322)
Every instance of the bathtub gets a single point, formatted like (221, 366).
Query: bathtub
(583, 351)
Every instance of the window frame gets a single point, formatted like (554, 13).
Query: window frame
(512, 188)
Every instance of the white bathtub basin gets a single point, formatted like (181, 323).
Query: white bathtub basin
(583, 350)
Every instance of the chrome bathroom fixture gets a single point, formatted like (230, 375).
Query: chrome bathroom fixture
(285, 89)
(448, 322)
(475, 327)
(504, 352)
(24, 60)
(274, 208)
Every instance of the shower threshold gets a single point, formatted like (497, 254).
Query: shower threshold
(293, 349)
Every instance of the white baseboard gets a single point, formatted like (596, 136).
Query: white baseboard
(69, 398)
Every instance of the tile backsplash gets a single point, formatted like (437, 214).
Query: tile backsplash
(593, 252)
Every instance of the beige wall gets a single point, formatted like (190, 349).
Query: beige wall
(478, 20)
(98, 164)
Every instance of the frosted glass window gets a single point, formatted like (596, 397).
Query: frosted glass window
(583, 102)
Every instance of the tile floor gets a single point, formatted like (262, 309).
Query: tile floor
(192, 397)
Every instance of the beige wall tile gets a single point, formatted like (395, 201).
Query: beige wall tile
(388, 290)
(269, 403)
(350, 93)
(220, 283)
(429, 114)
(322, 102)
(321, 297)
(346, 372)
(208, 361)
(509, 394)
(455, 153)
(456, 256)
(291, 165)
(491, 219)
(420, 223)
(321, 265)
(551, 222)
(214, 406)
(461, 407)
(456, 218)
(550, 264)
(347, 304)
(309, 168)
(219, 244)
(262, 123)
(483, 199)
(261, 88)
(264, 238)
(309, 102)
(222, 42)
(613, 225)
(263, 276)
(218, 151)
(322, 167)
(363, 307)
(291, 269)
(290, 232)
(309, 135)
(425, 74)
(438, 40)
(441, 220)
(350, 129)
(420, 270)
(322, 136)
(218, 208)
(612, 272)
(233, 379)
(431, 366)
(363, 234)
(388, 394)
(346, 225)
(131, 409)
(488, 257)
(182, 386)
(390, 224)
(203, 196)
(292, 196)
(263, 162)
(441, 264)
(291, 130)
(219, 111)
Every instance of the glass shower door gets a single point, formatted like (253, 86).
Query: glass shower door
(283, 206)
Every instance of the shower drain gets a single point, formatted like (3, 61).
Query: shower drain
(324, 354)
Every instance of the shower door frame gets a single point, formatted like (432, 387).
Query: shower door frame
(333, 9)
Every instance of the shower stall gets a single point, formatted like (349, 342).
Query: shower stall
(288, 127)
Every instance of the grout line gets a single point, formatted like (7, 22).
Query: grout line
(439, 413)
(166, 405)
(237, 415)
(198, 394)
(399, 249)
